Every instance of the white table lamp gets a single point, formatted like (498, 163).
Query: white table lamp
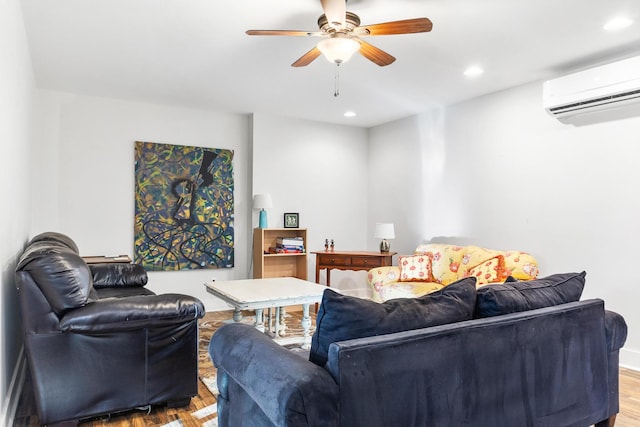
(384, 231)
(262, 202)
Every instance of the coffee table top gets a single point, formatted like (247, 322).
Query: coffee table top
(250, 294)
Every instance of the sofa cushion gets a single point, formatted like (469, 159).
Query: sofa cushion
(474, 256)
(405, 290)
(415, 268)
(498, 299)
(520, 265)
(118, 275)
(343, 317)
(445, 261)
(489, 271)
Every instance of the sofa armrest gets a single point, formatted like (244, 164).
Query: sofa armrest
(289, 389)
(109, 275)
(378, 277)
(125, 314)
(615, 330)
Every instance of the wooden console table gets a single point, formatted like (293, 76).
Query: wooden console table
(101, 259)
(350, 261)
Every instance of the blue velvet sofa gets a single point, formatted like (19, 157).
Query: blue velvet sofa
(510, 355)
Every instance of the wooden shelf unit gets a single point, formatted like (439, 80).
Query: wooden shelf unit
(278, 265)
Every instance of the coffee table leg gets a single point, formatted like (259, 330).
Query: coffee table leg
(306, 326)
(283, 325)
(237, 316)
(259, 320)
(276, 323)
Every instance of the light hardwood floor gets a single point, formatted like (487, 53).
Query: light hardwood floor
(629, 415)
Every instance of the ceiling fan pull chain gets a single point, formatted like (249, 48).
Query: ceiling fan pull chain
(336, 89)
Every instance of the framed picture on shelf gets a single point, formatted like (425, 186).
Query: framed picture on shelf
(291, 220)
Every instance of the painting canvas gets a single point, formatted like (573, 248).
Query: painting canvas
(183, 207)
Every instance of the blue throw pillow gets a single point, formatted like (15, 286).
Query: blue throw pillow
(495, 300)
(343, 317)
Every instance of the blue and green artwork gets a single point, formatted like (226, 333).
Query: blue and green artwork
(183, 207)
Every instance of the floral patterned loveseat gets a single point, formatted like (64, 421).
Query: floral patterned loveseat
(435, 265)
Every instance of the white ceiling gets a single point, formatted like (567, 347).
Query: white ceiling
(195, 53)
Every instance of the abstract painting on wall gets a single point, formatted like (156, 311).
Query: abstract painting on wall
(183, 207)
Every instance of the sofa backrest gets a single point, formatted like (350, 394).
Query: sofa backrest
(65, 280)
(546, 366)
(52, 278)
(53, 237)
(452, 262)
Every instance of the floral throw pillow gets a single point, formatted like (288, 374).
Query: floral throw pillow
(415, 268)
(446, 263)
(489, 271)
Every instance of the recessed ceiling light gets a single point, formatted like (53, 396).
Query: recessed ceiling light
(349, 114)
(473, 71)
(616, 24)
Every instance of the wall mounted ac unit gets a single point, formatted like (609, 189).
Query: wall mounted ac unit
(604, 87)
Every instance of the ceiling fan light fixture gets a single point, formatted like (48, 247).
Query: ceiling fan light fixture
(338, 49)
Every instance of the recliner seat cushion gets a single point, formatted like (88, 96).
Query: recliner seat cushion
(512, 297)
(343, 317)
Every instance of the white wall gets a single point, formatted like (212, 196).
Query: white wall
(406, 174)
(17, 118)
(499, 172)
(85, 176)
(320, 171)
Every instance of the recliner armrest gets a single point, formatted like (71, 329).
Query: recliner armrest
(110, 275)
(284, 385)
(136, 312)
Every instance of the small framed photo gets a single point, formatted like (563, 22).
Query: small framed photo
(291, 220)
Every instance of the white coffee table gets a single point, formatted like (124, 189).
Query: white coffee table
(276, 292)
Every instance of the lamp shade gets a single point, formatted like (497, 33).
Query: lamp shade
(262, 201)
(384, 230)
(338, 48)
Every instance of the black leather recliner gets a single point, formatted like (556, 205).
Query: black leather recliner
(97, 341)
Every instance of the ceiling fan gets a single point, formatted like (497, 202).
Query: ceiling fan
(341, 31)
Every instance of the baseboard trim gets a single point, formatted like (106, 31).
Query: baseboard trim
(630, 359)
(10, 405)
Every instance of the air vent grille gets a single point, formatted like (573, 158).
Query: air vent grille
(603, 101)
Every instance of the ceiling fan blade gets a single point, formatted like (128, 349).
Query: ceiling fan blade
(407, 26)
(307, 58)
(375, 54)
(335, 11)
(282, 33)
